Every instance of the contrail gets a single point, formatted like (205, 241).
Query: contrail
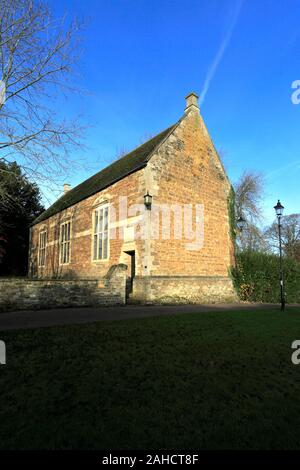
(213, 68)
(295, 164)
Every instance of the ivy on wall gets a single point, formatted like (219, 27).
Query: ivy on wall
(231, 214)
(232, 222)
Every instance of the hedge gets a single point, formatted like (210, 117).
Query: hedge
(256, 277)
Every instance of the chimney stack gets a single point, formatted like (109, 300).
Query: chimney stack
(67, 187)
(192, 102)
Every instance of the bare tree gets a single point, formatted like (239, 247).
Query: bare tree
(249, 192)
(290, 235)
(122, 151)
(248, 195)
(252, 239)
(37, 56)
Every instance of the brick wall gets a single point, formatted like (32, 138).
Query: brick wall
(22, 294)
(82, 265)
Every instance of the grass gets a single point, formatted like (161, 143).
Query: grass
(198, 381)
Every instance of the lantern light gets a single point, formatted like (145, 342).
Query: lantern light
(148, 200)
(279, 209)
(241, 222)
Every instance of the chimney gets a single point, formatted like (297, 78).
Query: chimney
(192, 102)
(67, 187)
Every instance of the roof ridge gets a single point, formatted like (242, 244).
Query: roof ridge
(146, 142)
(170, 129)
(134, 150)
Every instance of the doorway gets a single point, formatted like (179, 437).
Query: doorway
(131, 271)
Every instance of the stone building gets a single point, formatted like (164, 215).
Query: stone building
(163, 210)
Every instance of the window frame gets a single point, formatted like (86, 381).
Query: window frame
(97, 210)
(42, 249)
(64, 243)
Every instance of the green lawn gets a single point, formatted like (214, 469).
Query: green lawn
(200, 381)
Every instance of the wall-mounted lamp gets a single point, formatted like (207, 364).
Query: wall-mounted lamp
(241, 222)
(148, 201)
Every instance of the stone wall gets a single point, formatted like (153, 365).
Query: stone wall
(24, 294)
(183, 170)
(183, 290)
(186, 170)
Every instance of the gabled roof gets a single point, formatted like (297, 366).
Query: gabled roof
(130, 163)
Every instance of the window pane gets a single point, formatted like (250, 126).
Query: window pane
(100, 246)
(65, 245)
(42, 248)
(101, 220)
(105, 245)
(95, 247)
(96, 222)
(105, 219)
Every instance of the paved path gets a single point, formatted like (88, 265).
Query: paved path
(68, 316)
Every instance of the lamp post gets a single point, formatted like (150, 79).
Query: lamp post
(279, 212)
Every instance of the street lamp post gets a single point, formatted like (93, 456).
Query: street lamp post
(279, 212)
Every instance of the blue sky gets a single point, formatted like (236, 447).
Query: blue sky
(141, 57)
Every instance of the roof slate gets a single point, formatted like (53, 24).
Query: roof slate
(130, 163)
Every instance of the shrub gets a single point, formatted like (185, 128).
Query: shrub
(256, 277)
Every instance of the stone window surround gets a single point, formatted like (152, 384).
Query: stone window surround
(42, 248)
(65, 243)
(103, 205)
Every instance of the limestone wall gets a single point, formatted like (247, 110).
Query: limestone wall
(183, 289)
(24, 294)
